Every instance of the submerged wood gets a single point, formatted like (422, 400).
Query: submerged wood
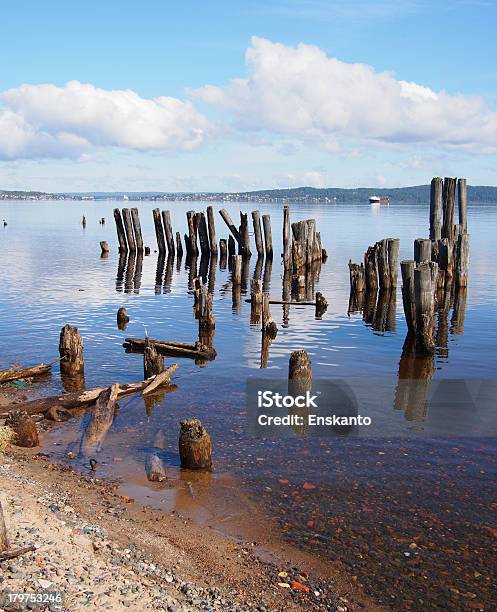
(153, 362)
(269, 327)
(205, 313)
(173, 349)
(18, 374)
(195, 446)
(299, 373)
(71, 351)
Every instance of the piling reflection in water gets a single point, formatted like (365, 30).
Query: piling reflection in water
(121, 266)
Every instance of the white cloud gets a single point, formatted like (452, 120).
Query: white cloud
(38, 121)
(301, 92)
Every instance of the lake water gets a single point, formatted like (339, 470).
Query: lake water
(408, 513)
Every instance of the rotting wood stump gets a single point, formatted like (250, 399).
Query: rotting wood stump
(24, 428)
(195, 446)
(153, 361)
(122, 318)
(71, 352)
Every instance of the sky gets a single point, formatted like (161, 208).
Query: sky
(160, 95)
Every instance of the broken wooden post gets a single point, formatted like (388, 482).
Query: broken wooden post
(268, 240)
(71, 352)
(153, 361)
(83, 221)
(256, 222)
(205, 314)
(159, 230)
(104, 246)
(24, 428)
(321, 304)
(436, 208)
(424, 298)
(191, 249)
(422, 250)
(154, 468)
(408, 296)
(101, 419)
(236, 274)
(168, 231)
(371, 269)
(382, 262)
(203, 234)
(121, 234)
(462, 189)
(195, 446)
(223, 252)
(462, 260)
(244, 248)
(287, 252)
(4, 541)
(122, 318)
(255, 300)
(357, 277)
(231, 226)
(393, 260)
(299, 373)
(135, 217)
(449, 199)
(179, 246)
(211, 225)
(231, 248)
(128, 226)
(269, 327)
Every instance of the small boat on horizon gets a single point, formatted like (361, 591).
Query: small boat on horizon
(379, 199)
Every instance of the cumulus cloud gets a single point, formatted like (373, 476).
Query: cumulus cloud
(39, 121)
(301, 92)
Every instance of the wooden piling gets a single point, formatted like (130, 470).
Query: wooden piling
(122, 318)
(287, 250)
(231, 247)
(408, 296)
(191, 248)
(121, 234)
(268, 239)
(223, 249)
(71, 351)
(424, 299)
(299, 373)
(382, 262)
(269, 327)
(393, 260)
(153, 361)
(436, 207)
(462, 189)
(256, 222)
(231, 226)
(357, 277)
(128, 226)
(104, 246)
(83, 221)
(159, 231)
(236, 273)
(203, 234)
(244, 236)
(211, 224)
(321, 305)
(371, 269)
(449, 198)
(137, 228)
(168, 231)
(205, 314)
(179, 246)
(462, 260)
(195, 446)
(422, 250)
(255, 300)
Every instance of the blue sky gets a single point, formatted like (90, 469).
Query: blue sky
(303, 114)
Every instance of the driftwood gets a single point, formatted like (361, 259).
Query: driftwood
(84, 399)
(34, 371)
(26, 432)
(13, 554)
(101, 420)
(172, 349)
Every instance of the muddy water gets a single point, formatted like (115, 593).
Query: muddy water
(409, 514)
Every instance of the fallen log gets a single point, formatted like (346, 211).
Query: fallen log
(160, 379)
(18, 374)
(84, 399)
(172, 349)
(13, 554)
(101, 420)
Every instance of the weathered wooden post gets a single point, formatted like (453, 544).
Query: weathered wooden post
(205, 314)
(102, 221)
(179, 246)
(4, 541)
(83, 221)
(203, 234)
(236, 270)
(436, 208)
(195, 446)
(159, 231)
(256, 221)
(191, 248)
(223, 251)
(424, 297)
(287, 252)
(168, 231)
(121, 235)
(321, 305)
(393, 260)
(244, 235)
(153, 361)
(255, 300)
(422, 250)
(269, 327)
(462, 188)
(104, 246)
(122, 318)
(408, 296)
(357, 277)
(268, 240)
(212, 230)
(371, 269)
(128, 226)
(462, 260)
(231, 247)
(231, 226)
(449, 198)
(137, 228)
(299, 373)
(71, 351)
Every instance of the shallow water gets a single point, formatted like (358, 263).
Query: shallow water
(52, 274)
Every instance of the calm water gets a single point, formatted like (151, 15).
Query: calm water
(373, 496)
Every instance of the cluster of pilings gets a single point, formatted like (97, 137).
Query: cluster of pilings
(129, 233)
(440, 264)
